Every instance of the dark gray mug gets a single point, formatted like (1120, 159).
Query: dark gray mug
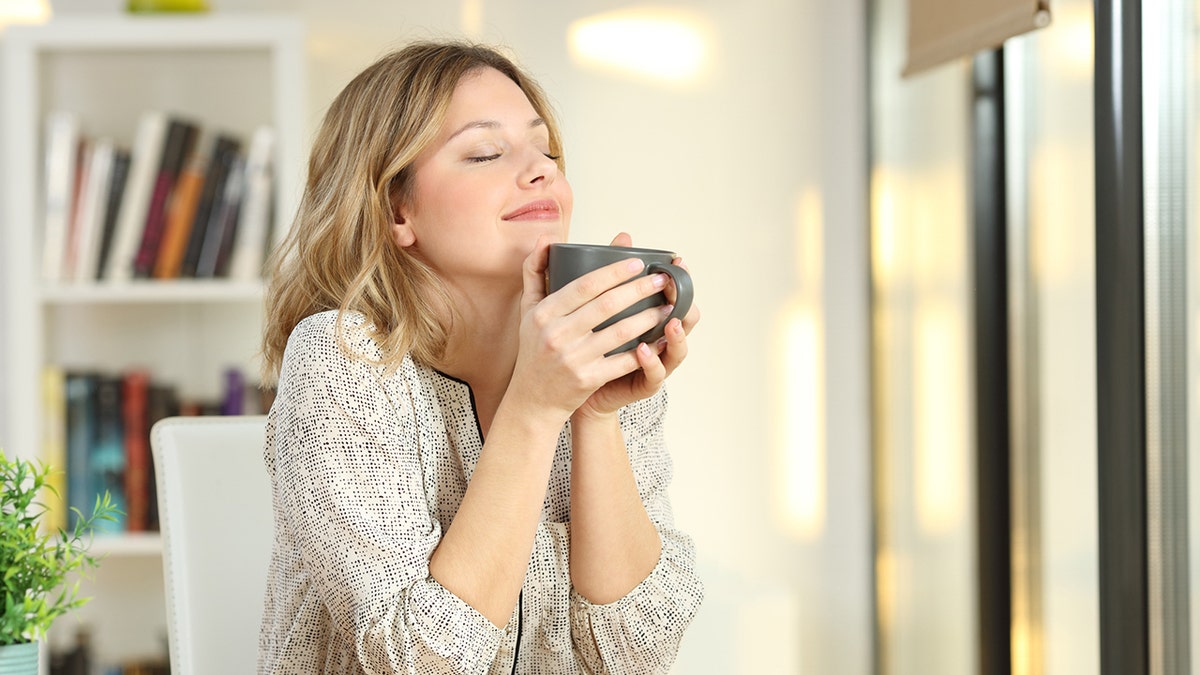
(571, 261)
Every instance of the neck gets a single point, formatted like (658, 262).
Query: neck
(483, 345)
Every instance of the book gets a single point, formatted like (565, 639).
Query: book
(93, 203)
(135, 416)
(254, 221)
(180, 141)
(62, 139)
(70, 254)
(225, 149)
(116, 188)
(54, 445)
(161, 402)
(106, 457)
(233, 398)
(222, 225)
(81, 429)
(180, 214)
(135, 200)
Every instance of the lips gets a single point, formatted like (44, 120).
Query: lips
(542, 209)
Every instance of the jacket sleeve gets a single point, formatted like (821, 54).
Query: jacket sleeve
(641, 632)
(349, 489)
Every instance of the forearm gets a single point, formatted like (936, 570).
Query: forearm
(483, 555)
(614, 545)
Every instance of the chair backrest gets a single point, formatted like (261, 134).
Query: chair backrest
(214, 504)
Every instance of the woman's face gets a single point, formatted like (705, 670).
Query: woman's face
(486, 188)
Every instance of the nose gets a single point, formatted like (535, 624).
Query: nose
(539, 169)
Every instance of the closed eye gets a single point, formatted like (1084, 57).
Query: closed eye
(483, 158)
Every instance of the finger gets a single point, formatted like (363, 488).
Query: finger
(533, 271)
(620, 299)
(630, 328)
(653, 368)
(676, 348)
(622, 239)
(592, 285)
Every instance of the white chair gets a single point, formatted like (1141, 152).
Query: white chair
(214, 506)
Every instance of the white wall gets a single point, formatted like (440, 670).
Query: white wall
(756, 173)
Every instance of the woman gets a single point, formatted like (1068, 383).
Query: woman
(463, 482)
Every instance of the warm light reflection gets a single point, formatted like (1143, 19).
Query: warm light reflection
(1073, 41)
(470, 18)
(1024, 644)
(884, 210)
(801, 355)
(941, 416)
(661, 44)
(802, 420)
(24, 11)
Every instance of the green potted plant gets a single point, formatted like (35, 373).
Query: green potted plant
(35, 563)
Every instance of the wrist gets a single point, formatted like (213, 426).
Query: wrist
(586, 415)
(533, 415)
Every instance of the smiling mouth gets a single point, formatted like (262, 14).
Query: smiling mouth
(543, 209)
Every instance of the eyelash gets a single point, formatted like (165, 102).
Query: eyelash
(488, 158)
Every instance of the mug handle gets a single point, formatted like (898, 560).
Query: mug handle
(683, 296)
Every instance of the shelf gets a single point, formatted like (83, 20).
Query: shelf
(127, 545)
(150, 291)
(229, 72)
(227, 30)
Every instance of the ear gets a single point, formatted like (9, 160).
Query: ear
(403, 234)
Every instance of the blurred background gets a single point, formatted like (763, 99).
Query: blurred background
(824, 428)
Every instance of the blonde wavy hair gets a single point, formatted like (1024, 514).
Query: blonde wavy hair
(339, 253)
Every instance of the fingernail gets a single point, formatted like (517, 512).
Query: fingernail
(666, 310)
(659, 280)
(661, 344)
(635, 264)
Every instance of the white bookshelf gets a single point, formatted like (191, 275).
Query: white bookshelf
(228, 72)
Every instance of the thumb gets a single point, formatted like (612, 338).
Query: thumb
(622, 239)
(534, 272)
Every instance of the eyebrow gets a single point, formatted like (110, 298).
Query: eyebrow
(491, 124)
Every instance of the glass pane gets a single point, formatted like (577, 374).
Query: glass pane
(1192, 145)
(923, 397)
(1048, 77)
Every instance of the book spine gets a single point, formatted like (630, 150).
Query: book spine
(62, 138)
(161, 402)
(116, 188)
(233, 401)
(107, 458)
(135, 202)
(83, 162)
(254, 222)
(92, 207)
(181, 137)
(135, 414)
(81, 431)
(54, 445)
(224, 150)
(179, 220)
(222, 229)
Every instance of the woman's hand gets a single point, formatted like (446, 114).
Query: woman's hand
(655, 362)
(562, 363)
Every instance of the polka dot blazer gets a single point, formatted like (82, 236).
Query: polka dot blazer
(369, 468)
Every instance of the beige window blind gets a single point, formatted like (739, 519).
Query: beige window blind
(944, 30)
